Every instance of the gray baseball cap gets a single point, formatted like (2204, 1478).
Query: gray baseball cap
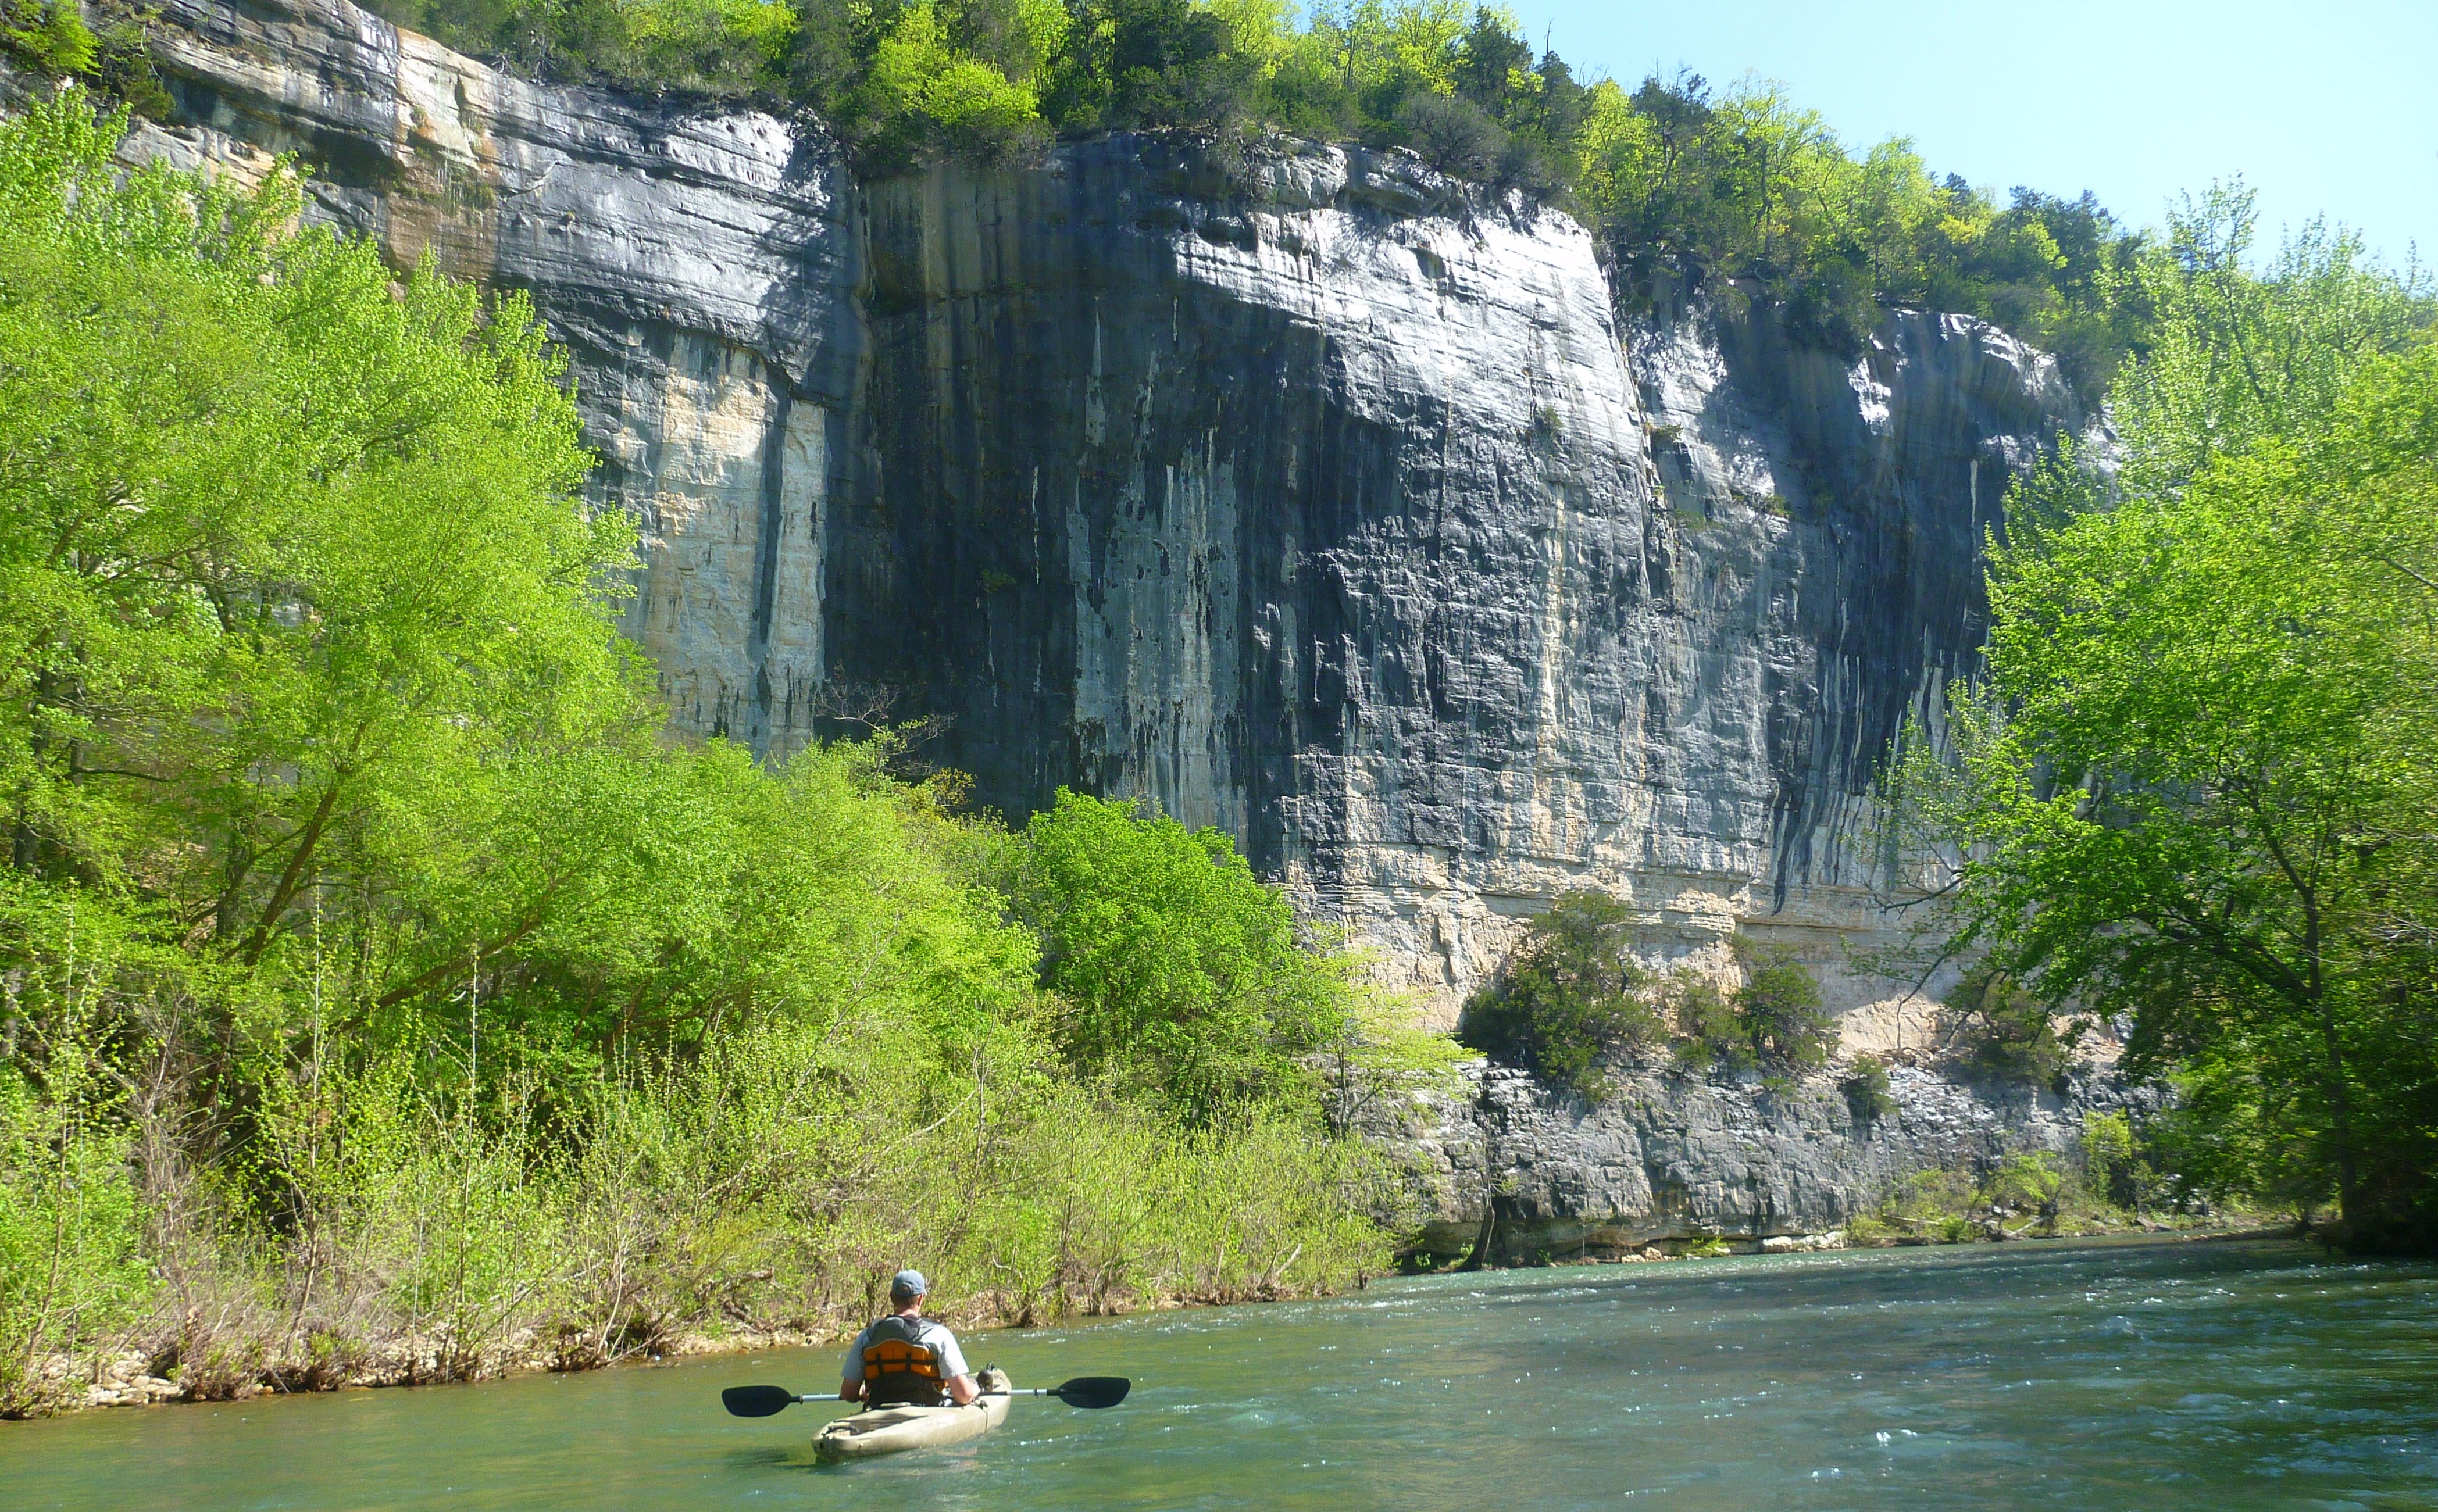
(909, 1283)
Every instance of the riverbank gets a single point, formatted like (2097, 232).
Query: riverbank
(128, 1380)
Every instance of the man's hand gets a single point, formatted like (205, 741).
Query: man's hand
(963, 1390)
(850, 1391)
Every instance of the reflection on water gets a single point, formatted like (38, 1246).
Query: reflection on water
(2142, 1375)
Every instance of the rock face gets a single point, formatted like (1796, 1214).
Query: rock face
(1329, 503)
(1672, 1157)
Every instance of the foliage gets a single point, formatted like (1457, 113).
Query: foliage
(2195, 789)
(1571, 996)
(2026, 1192)
(1572, 999)
(1739, 191)
(1869, 1097)
(1378, 1053)
(2119, 1162)
(1751, 196)
(2237, 355)
(388, 992)
(2001, 1033)
(50, 34)
(1180, 974)
(1774, 1022)
(70, 1273)
(1780, 1007)
(1710, 1034)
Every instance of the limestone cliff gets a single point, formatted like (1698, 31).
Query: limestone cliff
(1670, 1157)
(1327, 502)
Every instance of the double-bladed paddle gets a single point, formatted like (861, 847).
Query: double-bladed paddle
(1084, 1391)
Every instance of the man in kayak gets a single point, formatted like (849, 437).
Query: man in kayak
(906, 1359)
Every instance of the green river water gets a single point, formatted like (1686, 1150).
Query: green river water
(2142, 1376)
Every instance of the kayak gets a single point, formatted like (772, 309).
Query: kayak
(894, 1429)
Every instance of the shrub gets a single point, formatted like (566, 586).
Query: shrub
(1177, 973)
(1774, 1022)
(1782, 1010)
(1571, 998)
(2001, 1033)
(1868, 1095)
(2028, 1180)
(1710, 1034)
(71, 1276)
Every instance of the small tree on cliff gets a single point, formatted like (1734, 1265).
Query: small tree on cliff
(1572, 997)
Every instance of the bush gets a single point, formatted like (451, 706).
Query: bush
(1177, 973)
(1868, 1095)
(2003, 1034)
(1710, 1034)
(71, 1273)
(1781, 1006)
(1571, 998)
(1774, 1022)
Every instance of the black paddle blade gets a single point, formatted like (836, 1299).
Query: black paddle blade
(756, 1401)
(1093, 1391)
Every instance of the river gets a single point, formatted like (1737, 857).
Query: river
(2146, 1375)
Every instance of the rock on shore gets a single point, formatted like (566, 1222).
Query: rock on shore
(1671, 1158)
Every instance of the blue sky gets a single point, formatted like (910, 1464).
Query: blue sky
(2327, 107)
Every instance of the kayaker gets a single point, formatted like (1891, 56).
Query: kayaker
(906, 1360)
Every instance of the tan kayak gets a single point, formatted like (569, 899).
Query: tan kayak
(893, 1430)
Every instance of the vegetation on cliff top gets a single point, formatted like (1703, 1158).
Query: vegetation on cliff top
(1738, 191)
(389, 992)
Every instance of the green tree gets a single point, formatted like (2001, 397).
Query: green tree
(1177, 973)
(1781, 1009)
(1570, 997)
(1775, 1021)
(2193, 790)
(283, 553)
(2003, 1033)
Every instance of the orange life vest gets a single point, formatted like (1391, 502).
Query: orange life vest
(899, 1370)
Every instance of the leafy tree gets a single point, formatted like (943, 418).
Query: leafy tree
(1571, 996)
(1781, 1006)
(1710, 1034)
(2003, 1033)
(1178, 973)
(1377, 1052)
(2236, 357)
(2193, 790)
(290, 562)
(1775, 1021)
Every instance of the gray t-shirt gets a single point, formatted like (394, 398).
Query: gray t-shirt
(930, 1335)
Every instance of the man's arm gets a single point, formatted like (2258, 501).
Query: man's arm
(851, 1371)
(961, 1387)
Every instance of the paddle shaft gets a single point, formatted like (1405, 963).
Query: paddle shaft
(1084, 1391)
